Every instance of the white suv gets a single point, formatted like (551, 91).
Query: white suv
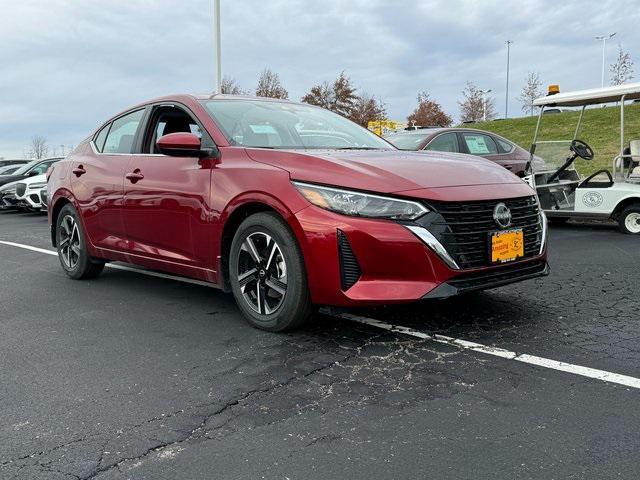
(28, 192)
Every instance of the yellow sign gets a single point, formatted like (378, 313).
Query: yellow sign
(507, 246)
(383, 127)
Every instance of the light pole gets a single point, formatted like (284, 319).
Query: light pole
(604, 39)
(216, 26)
(506, 95)
(484, 104)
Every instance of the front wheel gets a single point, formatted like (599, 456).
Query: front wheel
(267, 274)
(629, 220)
(72, 247)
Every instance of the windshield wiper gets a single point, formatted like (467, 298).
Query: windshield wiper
(357, 148)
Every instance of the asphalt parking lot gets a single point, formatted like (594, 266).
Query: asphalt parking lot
(133, 376)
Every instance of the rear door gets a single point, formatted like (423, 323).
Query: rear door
(484, 145)
(97, 179)
(166, 207)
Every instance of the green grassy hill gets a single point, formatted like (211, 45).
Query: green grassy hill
(600, 129)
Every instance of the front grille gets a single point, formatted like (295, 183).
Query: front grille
(20, 189)
(349, 268)
(34, 198)
(499, 276)
(464, 228)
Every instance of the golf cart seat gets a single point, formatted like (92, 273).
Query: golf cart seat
(634, 149)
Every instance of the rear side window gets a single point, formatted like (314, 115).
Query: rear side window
(122, 133)
(479, 144)
(406, 141)
(447, 142)
(505, 146)
(102, 135)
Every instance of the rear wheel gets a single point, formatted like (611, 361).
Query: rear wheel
(629, 220)
(72, 248)
(267, 274)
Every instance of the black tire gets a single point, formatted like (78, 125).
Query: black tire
(630, 217)
(263, 306)
(75, 261)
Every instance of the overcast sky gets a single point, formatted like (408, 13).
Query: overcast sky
(68, 65)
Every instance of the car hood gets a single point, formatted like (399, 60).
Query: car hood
(385, 171)
(4, 179)
(36, 179)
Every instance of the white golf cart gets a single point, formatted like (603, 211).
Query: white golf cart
(563, 193)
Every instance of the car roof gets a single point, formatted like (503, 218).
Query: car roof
(432, 130)
(213, 96)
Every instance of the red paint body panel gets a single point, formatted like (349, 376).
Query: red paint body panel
(172, 213)
(386, 171)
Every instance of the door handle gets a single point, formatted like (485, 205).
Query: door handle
(134, 176)
(79, 170)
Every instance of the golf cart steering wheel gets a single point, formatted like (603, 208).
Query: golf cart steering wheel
(582, 150)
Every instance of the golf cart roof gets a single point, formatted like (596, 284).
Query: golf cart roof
(593, 96)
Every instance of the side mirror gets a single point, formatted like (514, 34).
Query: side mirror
(32, 173)
(183, 144)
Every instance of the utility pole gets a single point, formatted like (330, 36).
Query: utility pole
(603, 39)
(506, 95)
(216, 26)
(484, 104)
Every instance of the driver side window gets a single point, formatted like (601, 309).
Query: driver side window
(166, 120)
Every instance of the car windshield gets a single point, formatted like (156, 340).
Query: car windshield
(256, 123)
(26, 167)
(407, 141)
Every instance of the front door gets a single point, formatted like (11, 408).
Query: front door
(166, 199)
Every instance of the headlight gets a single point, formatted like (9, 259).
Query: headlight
(360, 204)
(36, 186)
(8, 189)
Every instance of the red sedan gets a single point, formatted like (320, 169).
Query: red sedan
(464, 140)
(288, 206)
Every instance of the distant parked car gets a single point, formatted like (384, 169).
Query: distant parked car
(8, 196)
(19, 161)
(31, 169)
(43, 198)
(9, 169)
(28, 192)
(464, 140)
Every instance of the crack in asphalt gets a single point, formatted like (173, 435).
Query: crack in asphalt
(220, 411)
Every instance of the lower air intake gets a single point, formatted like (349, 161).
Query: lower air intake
(349, 268)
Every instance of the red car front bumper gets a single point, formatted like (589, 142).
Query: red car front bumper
(395, 266)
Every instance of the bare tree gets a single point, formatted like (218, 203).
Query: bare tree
(622, 70)
(530, 92)
(366, 109)
(475, 106)
(269, 85)
(428, 113)
(339, 97)
(38, 147)
(230, 86)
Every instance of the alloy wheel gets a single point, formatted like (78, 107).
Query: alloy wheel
(262, 273)
(632, 222)
(69, 242)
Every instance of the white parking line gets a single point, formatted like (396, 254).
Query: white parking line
(499, 352)
(594, 373)
(150, 273)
